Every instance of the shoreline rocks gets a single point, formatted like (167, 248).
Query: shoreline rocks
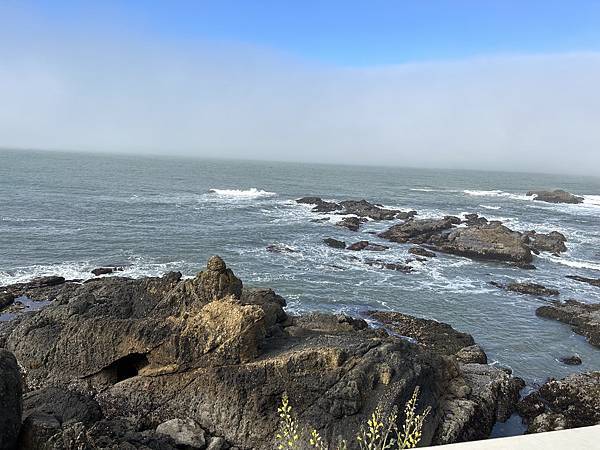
(571, 402)
(211, 351)
(10, 400)
(583, 318)
(527, 288)
(556, 196)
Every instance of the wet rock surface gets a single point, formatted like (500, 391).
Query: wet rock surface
(335, 243)
(114, 358)
(571, 402)
(583, 318)
(420, 251)
(352, 223)
(556, 196)
(527, 288)
(10, 400)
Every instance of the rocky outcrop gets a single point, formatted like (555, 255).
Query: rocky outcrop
(559, 404)
(592, 281)
(360, 208)
(208, 351)
(553, 242)
(398, 267)
(474, 219)
(490, 242)
(320, 204)
(420, 251)
(527, 288)
(366, 245)
(6, 299)
(417, 230)
(334, 243)
(106, 270)
(556, 196)
(10, 400)
(352, 223)
(583, 318)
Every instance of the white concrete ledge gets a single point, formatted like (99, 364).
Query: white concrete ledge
(587, 438)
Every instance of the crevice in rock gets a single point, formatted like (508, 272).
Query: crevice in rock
(125, 367)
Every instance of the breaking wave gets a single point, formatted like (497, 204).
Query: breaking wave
(497, 193)
(242, 193)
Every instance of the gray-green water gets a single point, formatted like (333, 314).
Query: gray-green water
(66, 213)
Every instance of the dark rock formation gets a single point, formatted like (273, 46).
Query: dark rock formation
(436, 336)
(365, 245)
(320, 204)
(583, 318)
(592, 281)
(352, 223)
(559, 404)
(279, 248)
(210, 352)
(398, 267)
(553, 242)
(527, 288)
(475, 219)
(491, 242)
(10, 400)
(335, 243)
(572, 360)
(6, 299)
(556, 196)
(106, 270)
(420, 251)
(416, 230)
(363, 208)
(472, 354)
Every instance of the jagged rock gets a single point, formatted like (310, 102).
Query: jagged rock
(352, 223)
(398, 267)
(491, 242)
(365, 245)
(363, 208)
(183, 432)
(155, 349)
(583, 318)
(475, 219)
(556, 196)
(572, 360)
(106, 270)
(472, 354)
(437, 336)
(571, 402)
(592, 281)
(527, 288)
(320, 204)
(6, 299)
(10, 400)
(335, 243)
(420, 251)
(216, 443)
(553, 242)
(416, 230)
(279, 248)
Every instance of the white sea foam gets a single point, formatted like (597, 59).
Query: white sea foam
(490, 207)
(133, 268)
(497, 193)
(575, 263)
(251, 193)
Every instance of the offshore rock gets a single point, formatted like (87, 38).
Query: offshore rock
(584, 318)
(334, 243)
(556, 196)
(416, 230)
(592, 281)
(352, 223)
(553, 242)
(527, 288)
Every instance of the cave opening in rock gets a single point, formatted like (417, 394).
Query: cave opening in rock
(126, 367)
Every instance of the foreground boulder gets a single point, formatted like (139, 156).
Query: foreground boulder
(559, 404)
(556, 196)
(584, 318)
(10, 400)
(159, 362)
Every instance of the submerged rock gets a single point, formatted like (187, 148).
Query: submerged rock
(592, 281)
(279, 248)
(527, 288)
(398, 267)
(335, 243)
(583, 318)
(573, 360)
(420, 251)
(556, 196)
(365, 245)
(571, 402)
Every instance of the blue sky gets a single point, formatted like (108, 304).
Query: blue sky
(348, 32)
(507, 85)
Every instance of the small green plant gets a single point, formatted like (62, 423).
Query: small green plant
(380, 433)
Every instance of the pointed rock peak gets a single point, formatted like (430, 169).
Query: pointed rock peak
(216, 264)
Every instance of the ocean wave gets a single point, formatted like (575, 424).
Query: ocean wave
(497, 193)
(251, 193)
(134, 267)
(575, 263)
(591, 201)
(495, 208)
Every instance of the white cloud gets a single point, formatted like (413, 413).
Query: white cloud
(538, 113)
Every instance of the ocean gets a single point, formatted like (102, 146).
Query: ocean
(67, 213)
